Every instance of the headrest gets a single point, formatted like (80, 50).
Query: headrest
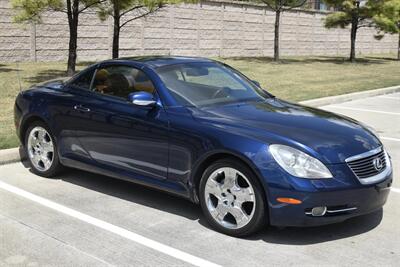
(142, 82)
(117, 82)
(102, 75)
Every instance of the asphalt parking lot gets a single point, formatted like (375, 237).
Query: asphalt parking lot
(82, 219)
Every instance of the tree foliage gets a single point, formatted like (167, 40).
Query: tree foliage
(125, 11)
(349, 11)
(388, 19)
(282, 5)
(338, 19)
(356, 13)
(134, 8)
(279, 6)
(32, 10)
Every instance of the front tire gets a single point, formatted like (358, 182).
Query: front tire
(41, 150)
(232, 199)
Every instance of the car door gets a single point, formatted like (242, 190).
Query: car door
(69, 118)
(119, 135)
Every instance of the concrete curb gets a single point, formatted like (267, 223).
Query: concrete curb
(349, 97)
(11, 155)
(17, 154)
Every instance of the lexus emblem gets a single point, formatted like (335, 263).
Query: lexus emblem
(378, 164)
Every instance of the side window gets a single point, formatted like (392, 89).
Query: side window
(84, 80)
(121, 81)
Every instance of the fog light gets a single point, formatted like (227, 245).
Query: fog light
(318, 211)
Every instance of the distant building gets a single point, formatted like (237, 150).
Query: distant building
(317, 5)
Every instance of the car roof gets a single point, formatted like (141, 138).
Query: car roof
(160, 61)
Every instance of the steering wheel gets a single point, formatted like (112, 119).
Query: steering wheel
(222, 90)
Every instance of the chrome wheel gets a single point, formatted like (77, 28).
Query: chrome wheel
(40, 149)
(230, 198)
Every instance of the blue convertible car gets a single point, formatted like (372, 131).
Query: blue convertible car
(199, 129)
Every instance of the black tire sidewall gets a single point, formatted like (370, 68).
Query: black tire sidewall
(55, 166)
(260, 215)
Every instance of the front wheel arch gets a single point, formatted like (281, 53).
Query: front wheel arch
(261, 214)
(207, 160)
(55, 166)
(25, 125)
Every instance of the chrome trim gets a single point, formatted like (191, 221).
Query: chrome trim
(332, 211)
(380, 176)
(341, 210)
(140, 102)
(364, 155)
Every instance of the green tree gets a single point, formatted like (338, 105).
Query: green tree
(32, 10)
(356, 13)
(125, 11)
(279, 6)
(388, 20)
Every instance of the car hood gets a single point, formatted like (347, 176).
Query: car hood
(330, 137)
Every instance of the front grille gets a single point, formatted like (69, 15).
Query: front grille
(365, 167)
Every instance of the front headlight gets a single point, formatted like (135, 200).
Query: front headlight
(299, 164)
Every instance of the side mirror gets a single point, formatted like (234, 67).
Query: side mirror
(142, 98)
(256, 83)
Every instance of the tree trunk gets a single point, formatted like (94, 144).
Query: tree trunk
(117, 28)
(73, 38)
(276, 37)
(353, 36)
(73, 13)
(398, 48)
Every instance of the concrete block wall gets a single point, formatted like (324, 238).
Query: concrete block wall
(209, 29)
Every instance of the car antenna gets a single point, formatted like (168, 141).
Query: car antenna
(19, 78)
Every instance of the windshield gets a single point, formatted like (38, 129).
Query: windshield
(199, 84)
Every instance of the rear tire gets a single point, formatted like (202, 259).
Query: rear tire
(232, 198)
(41, 150)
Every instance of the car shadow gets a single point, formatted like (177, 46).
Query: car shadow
(45, 75)
(132, 192)
(320, 234)
(168, 203)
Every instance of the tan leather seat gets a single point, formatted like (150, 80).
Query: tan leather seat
(142, 82)
(100, 80)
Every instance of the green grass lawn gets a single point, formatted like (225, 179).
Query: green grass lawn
(293, 79)
(30, 73)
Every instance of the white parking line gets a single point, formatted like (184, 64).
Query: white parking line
(367, 110)
(389, 138)
(180, 255)
(397, 190)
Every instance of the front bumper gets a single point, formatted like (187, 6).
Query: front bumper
(345, 204)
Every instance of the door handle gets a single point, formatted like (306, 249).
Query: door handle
(81, 108)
